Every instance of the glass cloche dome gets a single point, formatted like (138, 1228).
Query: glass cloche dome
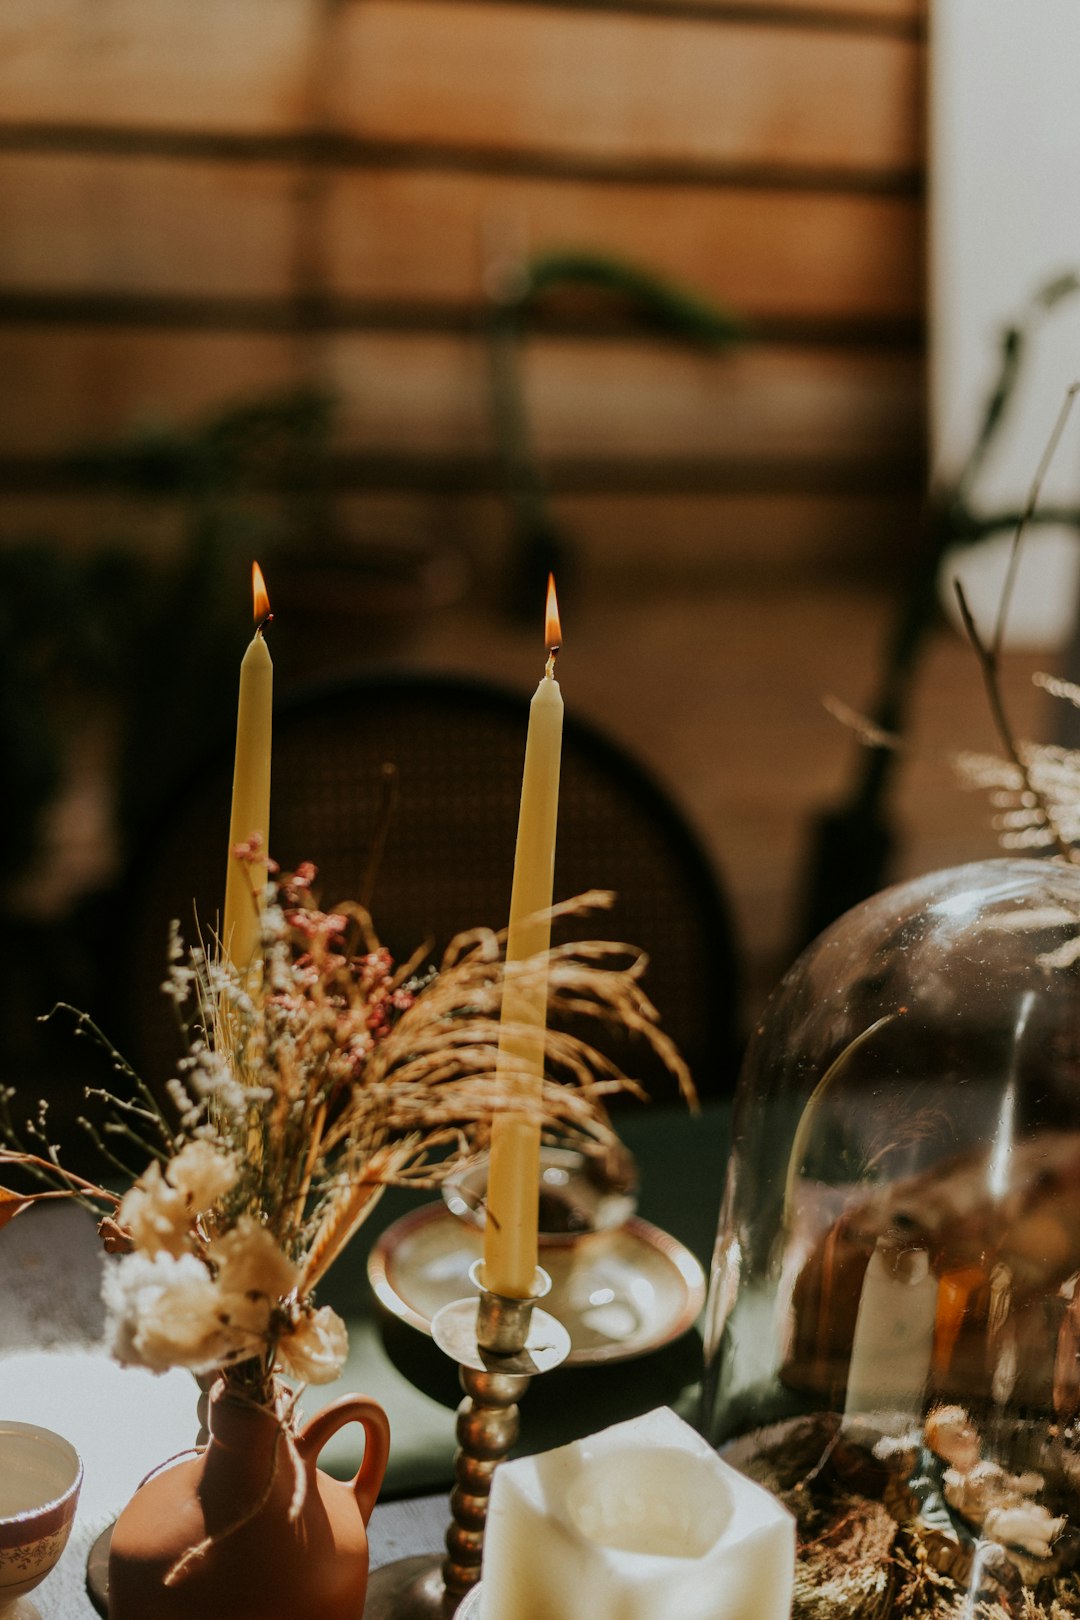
(893, 1327)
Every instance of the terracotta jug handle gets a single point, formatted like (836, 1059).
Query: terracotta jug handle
(353, 1409)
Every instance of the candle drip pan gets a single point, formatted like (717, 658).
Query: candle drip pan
(620, 1287)
(619, 1295)
(499, 1344)
(893, 1325)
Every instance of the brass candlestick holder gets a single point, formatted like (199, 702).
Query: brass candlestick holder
(500, 1344)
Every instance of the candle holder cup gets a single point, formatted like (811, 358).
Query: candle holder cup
(500, 1345)
(579, 1196)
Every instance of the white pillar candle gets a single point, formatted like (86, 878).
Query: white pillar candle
(639, 1522)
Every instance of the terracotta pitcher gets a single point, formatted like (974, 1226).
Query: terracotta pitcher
(262, 1563)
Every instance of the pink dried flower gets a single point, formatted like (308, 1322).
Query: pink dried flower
(316, 925)
(252, 851)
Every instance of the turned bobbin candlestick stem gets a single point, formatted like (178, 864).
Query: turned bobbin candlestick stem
(488, 1421)
(500, 1344)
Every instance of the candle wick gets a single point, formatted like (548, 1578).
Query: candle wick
(267, 618)
(549, 667)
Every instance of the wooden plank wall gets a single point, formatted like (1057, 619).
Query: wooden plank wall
(204, 199)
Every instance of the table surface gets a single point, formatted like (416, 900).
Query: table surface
(124, 1421)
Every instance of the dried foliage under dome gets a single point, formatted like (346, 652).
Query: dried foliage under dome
(311, 1083)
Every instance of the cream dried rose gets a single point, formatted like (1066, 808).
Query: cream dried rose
(315, 1350)
(203, 1174)
(167, 1311)
(250, 1264)
(160, 1209)
(155, 1215)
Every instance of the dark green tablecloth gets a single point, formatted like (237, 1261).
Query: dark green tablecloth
(682, 1160)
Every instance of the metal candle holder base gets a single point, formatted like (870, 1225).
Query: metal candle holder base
(499, 1344)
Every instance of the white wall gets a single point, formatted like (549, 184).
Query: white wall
(1004, 217)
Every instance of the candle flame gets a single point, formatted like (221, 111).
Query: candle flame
(552, 627)
(260, 599)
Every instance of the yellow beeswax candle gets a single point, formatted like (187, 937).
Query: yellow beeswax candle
(250, 815)
(514, 1170)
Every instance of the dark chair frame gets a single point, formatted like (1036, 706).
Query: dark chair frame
(697, 901)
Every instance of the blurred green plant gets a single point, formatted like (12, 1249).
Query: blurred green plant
(525, 290)
(57, 641)
(152, 632)
(853, 843)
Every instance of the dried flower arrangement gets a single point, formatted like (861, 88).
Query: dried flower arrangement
(311, 1083)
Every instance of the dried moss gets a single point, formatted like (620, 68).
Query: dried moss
(855, 1562)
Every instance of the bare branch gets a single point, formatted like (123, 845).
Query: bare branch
(989, 664)
(1026, 516)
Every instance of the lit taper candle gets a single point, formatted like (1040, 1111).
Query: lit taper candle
(250, 815)
(513, 1188)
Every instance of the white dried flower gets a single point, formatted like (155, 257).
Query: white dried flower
(250, 1265)
(315, 1350)
(160, 1209)
(275, 926)
(168, 1312)
(202, 1174)
(155, 1214)
(1025, 1524)
(178, 1095)
(212, 1078)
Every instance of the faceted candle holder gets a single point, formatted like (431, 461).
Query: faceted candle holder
(639, 1522)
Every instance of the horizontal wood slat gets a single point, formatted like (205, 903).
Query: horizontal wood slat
(428, 395)
(747, 535)
(166, 228)
(895, 16)
(911, 12)
(75, 223)
(642, 401)
(64, 387)
(198, 65)
(635, 88)
(763, 252)
(619, 540)
(490, 77)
